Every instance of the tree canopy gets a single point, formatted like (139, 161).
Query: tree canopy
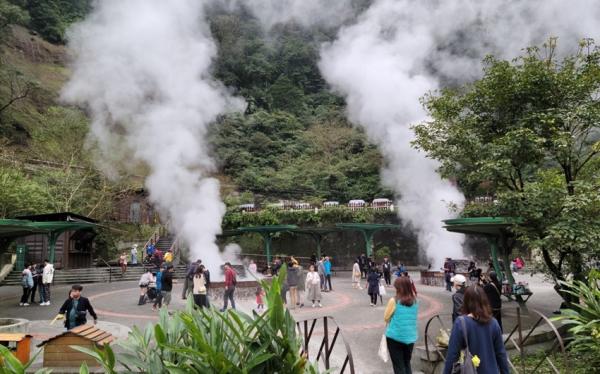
(528, 133)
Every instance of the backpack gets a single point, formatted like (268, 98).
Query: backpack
(467, 366)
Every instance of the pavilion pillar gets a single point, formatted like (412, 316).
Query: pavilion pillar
(52, 238)
(493, 240)
(267, 243)
(318, 238)
(368, 234)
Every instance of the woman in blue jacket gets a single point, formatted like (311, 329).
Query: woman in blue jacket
(401, 315)
(483, 335)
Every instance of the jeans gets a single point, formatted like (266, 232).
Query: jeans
(228, 295)
(323, 285)
(45, 292)
(200, 301)
(25, 296)
(186, 284)
(328, 277)
(374, 298)
(400, 354)
(33, 289)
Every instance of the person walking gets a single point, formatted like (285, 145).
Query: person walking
(356, 275)
(167, 285)
(492, 289)
(459, 282)
(293, 274)
(123, 263)
(158, 298)
(47, 279)
(252, 267)
(230, 282)
(134, 254)
(189, 277)
(168, 257)
(260, 304)
(200, 290)
(150, 249)
(448, 273)
(373, 285)
(401, 316)
(386, 266)
(312, 285)
(75, 309)
(27, 284)
(327, 266)
(36, 273)
(321, 272)
(144, 283)
(477, 331)
(362, 263)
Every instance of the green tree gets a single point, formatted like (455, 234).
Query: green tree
(10, 14)
(528, 129)
(20, 194)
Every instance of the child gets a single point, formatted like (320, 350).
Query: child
(260, 306)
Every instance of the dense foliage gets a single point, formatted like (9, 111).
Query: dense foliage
(528, 133)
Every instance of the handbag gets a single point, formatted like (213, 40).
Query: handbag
(382, 290)
(467, 366)
(383, 352)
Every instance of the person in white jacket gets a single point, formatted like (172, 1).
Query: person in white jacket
(313, 286)
(47, 278)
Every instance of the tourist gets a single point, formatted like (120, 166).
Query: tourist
(448, 273)
(401, 315)
(230, 282)
(75, 309)
(321, 272)
(206, 274)
(386, 266)
(362, 263)
(27, 283)
(276, 266)
(123, 263)
(356, 275)
(483, 335)
(200, 290)
(459, 282)
(189, 277)
(400, 270)
(36, 273)
(158, 257)
(167, 285)
(513, 266)
(150, 249)
(492, 289)
(260, 293)
(169, 257)
(252, 267)
(370, 263)
(327, 266)
(312, 285)
(144, 282)
(47, 278)
(520, 263)
(158, 279)
(134, 253)
(313, 259)
(373, 285)
(152, 293)
(293, 274)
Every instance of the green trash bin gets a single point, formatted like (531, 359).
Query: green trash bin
(21, 253)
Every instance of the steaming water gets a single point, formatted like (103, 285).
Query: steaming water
(141, 68)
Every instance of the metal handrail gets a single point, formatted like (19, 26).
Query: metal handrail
(156, 236)
(325, 345)
(109, 268)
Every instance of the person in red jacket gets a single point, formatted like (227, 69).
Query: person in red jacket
(230, 282)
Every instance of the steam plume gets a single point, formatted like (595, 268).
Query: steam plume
(141, 67)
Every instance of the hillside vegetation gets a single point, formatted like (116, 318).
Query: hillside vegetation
(292, 142)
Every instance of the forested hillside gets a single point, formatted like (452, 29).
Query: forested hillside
(292, 141)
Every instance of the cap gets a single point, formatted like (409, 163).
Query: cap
(458, 278)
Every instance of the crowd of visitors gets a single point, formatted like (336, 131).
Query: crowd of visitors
(36, 278)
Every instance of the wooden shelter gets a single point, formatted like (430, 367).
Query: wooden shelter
(58, 351)
(19, 344)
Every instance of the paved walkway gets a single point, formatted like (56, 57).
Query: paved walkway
(361, 324)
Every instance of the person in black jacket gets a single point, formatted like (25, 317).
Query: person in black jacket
(493, 289)
(75, 309)
(387, 270)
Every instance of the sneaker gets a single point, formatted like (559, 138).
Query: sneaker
(47, 303)
(25, 304)
(20, 304)
(371, 304)
(313, 305)
(320, 306)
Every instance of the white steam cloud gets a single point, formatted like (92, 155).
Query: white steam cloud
(141, 67)
(398, 50)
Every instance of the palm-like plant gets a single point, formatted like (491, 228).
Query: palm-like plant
(208, 341)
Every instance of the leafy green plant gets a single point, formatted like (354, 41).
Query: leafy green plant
(208, 341)
(584, 317)
(9, 364)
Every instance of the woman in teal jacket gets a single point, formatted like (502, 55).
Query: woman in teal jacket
(401, 333)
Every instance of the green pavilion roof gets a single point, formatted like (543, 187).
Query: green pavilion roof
(267, 228)
(13, 228)
(481, 225)
(367, 226)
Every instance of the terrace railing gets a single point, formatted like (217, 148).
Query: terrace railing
(319, 345)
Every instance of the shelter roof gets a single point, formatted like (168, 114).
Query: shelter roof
(89, 332)
(481, 225)
(13, 228)
(268, 228)
(315, 230)
(59, 216)
(367, 226)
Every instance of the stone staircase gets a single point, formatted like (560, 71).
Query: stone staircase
(93, 275)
